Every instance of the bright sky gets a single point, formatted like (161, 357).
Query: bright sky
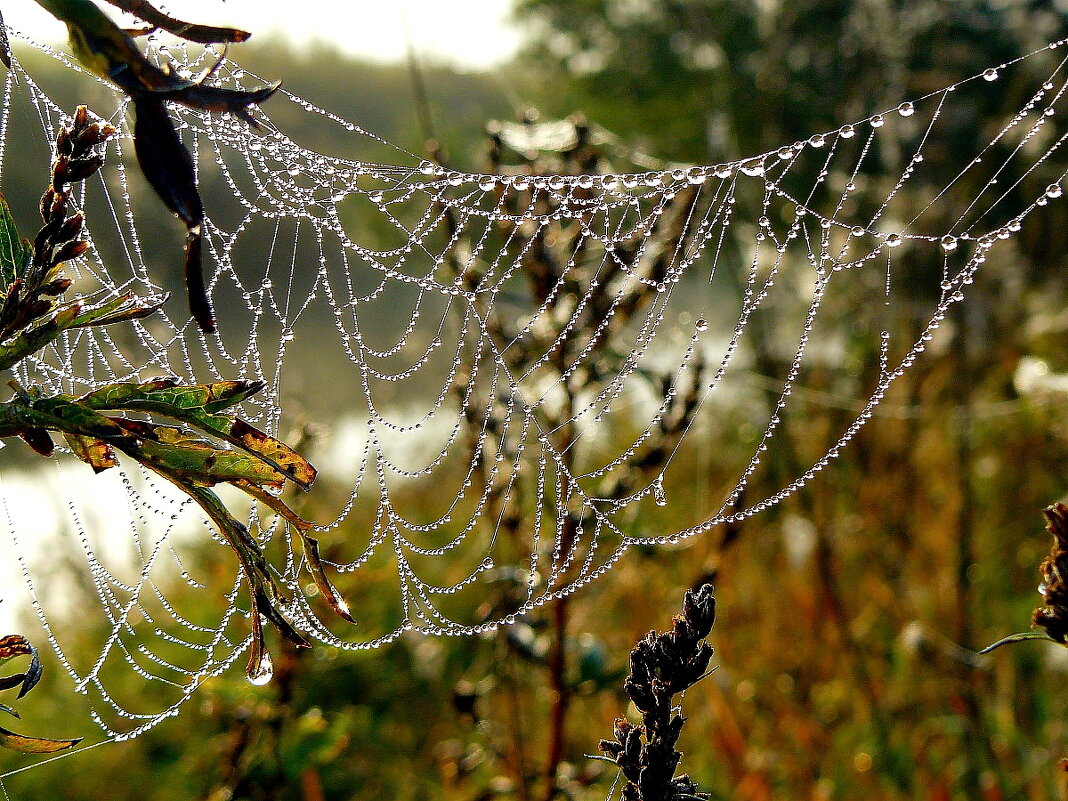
(471, 33)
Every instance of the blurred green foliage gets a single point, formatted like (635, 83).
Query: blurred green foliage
(839, 675)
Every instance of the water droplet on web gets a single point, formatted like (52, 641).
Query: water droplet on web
(949, 243)
(857, 230)
(847, 132)
(263, 673)
(659, 496)
(893, 240)
(817, 141)
(990, 74)
(906, 109)
(1054, 190)
(702, 324)
(753, 168)
(1014, 225)
(877, 121)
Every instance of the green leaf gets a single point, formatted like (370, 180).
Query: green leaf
(199, 406)
(15, 252)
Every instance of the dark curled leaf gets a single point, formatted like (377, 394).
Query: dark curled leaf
(221, 101)
(168, 167)
(15, 645)
(193, 270)
(203, 34)
(165, 160)
(266, 608)
(5, 45)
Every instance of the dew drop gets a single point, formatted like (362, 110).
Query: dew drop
(263, 673)
(786, 153)
(906, 109)
(847, 132)
(949, 243)
(877, 121)
(858, 230)
(659, 496)
(702, 324)
(893, 240)
(990, 74)
(1054, 190)
(817, 141)
(753, 168)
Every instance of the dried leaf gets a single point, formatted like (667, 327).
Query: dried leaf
(94, 452)
(33, 745)
(292, 464)
(326, 589)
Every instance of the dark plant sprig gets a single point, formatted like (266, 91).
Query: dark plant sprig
(30, 272)
(662, 666)
(1051, 618)
(208, 447)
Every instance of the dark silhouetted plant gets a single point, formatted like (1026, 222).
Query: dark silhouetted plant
(661, 667)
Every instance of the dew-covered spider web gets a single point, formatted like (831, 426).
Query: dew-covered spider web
(522, 372)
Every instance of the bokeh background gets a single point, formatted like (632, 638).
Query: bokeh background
(848, 613)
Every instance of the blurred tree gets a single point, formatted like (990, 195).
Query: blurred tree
(710, 80)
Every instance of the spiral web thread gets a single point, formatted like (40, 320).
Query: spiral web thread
(499, 442)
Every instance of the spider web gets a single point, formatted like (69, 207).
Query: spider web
(525, 373)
